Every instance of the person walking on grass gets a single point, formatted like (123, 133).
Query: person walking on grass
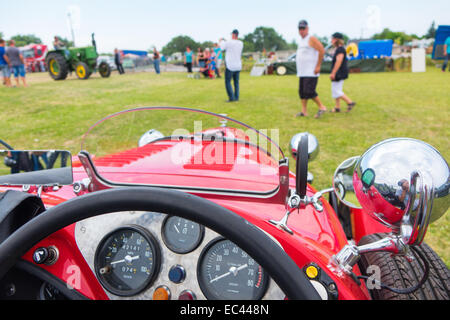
(156, 60)
(188, 58)
(339, 72)
(4, 68)
(309, 58)
(15, 60)
(118, 61)
(446, 54)
(219, 58)
(233, 64)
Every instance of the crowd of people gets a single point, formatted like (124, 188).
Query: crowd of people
(208, 61)
(12, 62)
(309, 57)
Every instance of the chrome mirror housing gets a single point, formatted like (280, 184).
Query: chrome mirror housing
(403, 183)
(313, 145)
(343, 182)
(150, 136)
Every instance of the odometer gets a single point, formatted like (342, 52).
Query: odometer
(127, 260)
(225, 271)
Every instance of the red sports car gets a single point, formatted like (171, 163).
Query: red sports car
(175, 203)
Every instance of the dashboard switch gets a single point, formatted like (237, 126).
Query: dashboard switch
(177, 274)
(40, 255)
(187, 295)
(161, 293)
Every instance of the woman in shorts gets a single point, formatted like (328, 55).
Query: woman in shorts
(339, 72)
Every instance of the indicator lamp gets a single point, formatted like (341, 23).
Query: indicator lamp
(177, 274)
(312, 272)
(161, 293)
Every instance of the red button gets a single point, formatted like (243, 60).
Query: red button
(187, 295)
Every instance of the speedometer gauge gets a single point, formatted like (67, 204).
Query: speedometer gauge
(225, 271)
(127, 260)
(181, 235)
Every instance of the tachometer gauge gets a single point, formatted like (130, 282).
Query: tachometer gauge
(181, 235)
(225, 271)
(127, 260)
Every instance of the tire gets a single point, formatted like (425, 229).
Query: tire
(398, 272)
(82, 71)
(104, 69)
(281, 70)
(57, 66)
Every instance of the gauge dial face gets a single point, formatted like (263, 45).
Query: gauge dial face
(225, 271)
(127, 260)
(181, 235)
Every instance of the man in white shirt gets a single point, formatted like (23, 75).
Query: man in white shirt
(233, 52)
(309, 58)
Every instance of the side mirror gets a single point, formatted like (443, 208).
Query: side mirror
(150, 136)
(313, 145)
(35, 167)
(313, 149)
(403, 183)
(343, 182)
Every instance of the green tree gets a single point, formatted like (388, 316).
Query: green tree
(207, 44)
(1, 35)
(66, 42)
(292, 45)
(323, 40)
(264, 38)
(23, 40)
(179, 44)
(431, 33)
(398, 37)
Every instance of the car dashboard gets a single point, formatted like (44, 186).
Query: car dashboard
(154, 256)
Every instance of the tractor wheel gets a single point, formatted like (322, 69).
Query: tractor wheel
(57, 65)
(82, 71)
(104, 69)
(398, 272)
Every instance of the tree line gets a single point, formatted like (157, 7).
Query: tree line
(262, 38)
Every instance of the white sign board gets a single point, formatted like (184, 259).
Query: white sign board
(418, 60)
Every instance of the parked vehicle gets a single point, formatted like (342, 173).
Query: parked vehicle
(34, 55)
(176, 203)
(82, 61)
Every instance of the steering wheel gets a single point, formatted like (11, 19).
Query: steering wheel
(251, 239)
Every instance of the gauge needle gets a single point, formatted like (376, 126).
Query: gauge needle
(127, 259)
(233, 270)
(176, 228)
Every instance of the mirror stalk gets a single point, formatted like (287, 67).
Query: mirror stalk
(346, 259)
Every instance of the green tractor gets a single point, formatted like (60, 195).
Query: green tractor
(83, 61)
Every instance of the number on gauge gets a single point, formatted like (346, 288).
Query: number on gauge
(225, 271)
(127, 260)
(181, 235)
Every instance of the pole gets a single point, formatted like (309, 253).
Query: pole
(71, 28)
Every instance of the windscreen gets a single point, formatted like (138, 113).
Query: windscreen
(186, 148)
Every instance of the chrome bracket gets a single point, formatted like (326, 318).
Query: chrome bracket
(293, 203)
(296, 202)
(349, 255)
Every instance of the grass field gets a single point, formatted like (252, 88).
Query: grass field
(54, 115)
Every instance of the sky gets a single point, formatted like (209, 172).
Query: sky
(142, 24)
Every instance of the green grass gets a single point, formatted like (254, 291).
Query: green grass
(50, 114)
